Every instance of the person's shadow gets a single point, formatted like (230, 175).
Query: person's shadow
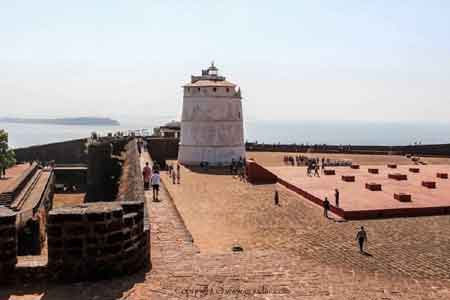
(336, 219)
(366, 254)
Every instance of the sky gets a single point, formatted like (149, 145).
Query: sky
(294, 60)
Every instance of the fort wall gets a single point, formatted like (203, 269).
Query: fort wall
(131, 186)
(67, 152)
(162, 149)
(442, 150)
(97, 240)
(8, 243)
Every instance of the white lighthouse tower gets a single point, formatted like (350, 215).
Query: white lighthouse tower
(211, 125)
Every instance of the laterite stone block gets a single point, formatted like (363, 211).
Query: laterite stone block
(402, 197)
(373, 171)
(348, 178)
(429, 184)
(442, 175)
(329, 172)
(371, 186)
(398, 176)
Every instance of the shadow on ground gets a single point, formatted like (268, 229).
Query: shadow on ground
(99, 290)
(211, 170)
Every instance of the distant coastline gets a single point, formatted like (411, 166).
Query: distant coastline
(91, 121)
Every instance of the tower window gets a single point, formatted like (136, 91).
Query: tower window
(228, 90)
(189, 89)
(214, 89)
(198, 89)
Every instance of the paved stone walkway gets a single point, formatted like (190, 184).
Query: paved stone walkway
(180, 268)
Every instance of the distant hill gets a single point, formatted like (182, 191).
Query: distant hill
(64, 121)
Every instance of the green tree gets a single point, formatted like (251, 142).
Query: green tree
(7, 156)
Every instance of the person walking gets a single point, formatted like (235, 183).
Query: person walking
(178, 176)
(336, 197)
(326, 207)
(170, 168)
(316, 170)
(140, 145)
(155, 181)
(361, 237)
(146, 173)
(277, 198)
(174, 177)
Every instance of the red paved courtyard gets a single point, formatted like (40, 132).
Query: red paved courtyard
(356, 201)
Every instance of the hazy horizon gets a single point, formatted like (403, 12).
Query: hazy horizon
(294, 60)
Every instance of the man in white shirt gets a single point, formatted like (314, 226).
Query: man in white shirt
(155, 181)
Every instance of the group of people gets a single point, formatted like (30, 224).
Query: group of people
(326, 203)
(238, 167)
(313, 165)
(152, 177)
(299, 160)
(302, 160)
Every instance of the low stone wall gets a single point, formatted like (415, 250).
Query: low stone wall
(438, 150)
(97, 240)
(257, 174)
(8, 243)
(131, 186)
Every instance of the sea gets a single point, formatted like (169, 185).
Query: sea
(268, 132)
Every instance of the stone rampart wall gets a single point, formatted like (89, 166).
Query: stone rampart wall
(422, 150)
(131, 186)
(97, 240)
(68, 152)
(162, 149)
(8, 243)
